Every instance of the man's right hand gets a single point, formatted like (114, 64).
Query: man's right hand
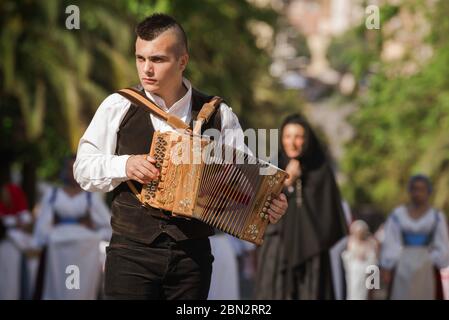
(141, 168)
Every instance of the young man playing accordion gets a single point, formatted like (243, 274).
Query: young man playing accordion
(152, 255)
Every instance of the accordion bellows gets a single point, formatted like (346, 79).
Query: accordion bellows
(224, 187)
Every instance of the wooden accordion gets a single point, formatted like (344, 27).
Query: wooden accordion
(214, 183)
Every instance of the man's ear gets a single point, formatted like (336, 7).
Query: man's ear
(183, 61)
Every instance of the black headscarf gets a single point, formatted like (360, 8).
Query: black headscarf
(319, 222)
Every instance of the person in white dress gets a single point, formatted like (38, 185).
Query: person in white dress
(16, 270)
(361, 252)
(225, 274)
(416, 246)
(71, 226)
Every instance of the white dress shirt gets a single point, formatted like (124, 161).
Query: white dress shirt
(97, 168)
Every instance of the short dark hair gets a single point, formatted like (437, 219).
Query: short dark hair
(421, 178)
(151, 27)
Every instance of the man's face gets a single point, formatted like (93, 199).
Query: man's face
(160, 63)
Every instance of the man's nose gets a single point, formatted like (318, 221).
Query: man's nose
(148, 68)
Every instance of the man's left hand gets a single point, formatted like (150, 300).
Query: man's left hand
(277, 209)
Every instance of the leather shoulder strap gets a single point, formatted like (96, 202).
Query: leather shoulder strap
(206, 112)
(136, 97)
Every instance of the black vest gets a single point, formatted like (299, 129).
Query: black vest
(129, 217)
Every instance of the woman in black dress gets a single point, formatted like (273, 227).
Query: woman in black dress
(293, 262)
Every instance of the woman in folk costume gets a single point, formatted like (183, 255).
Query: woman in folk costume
(293, 262)
(70, 227)
(415, 246)
(15, 238)
(361, 252)
(225, 272)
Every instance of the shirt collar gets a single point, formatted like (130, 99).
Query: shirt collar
(182, 107)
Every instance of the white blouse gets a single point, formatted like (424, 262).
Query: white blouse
(97, 168)
(67, 206)
(399, 221)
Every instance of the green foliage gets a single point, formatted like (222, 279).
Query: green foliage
(401, 129)
(354, 53)
(52, 79)
(358, 50)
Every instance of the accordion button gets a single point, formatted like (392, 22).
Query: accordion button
(267, 204)
(262, 215)
(266, 216)
(264, 209)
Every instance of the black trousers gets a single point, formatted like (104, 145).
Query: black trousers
(165, 269)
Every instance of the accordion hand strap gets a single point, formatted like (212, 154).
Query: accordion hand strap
(205, 113)
(136, 97)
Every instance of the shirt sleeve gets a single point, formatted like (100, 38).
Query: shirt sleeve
(439, 252)
(97, 168)
(231, 131)
(392, 244)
